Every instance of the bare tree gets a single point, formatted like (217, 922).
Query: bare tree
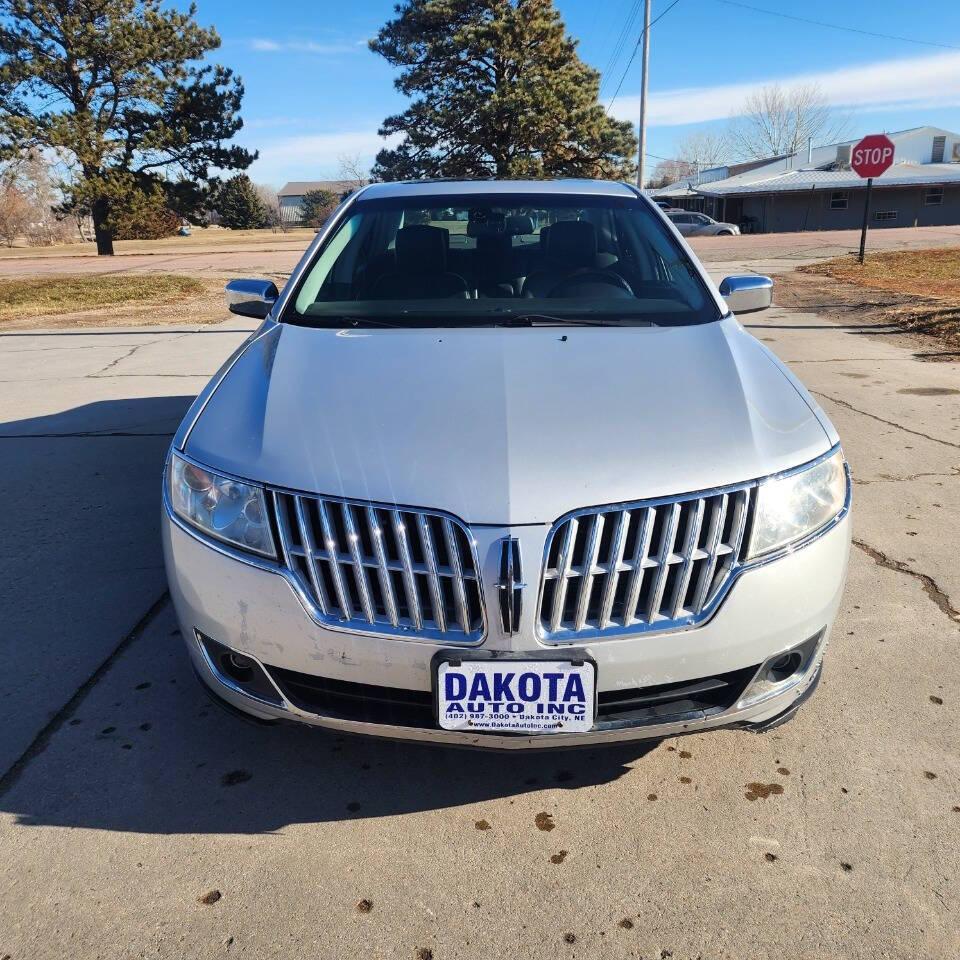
(15, 210)
(669, 171)
(351, 169)
(702, 149)
(271, 205)
(775, 122)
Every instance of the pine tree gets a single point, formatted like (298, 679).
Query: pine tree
(115, 87)
(239, 204)
(316, 206)
(498, 90)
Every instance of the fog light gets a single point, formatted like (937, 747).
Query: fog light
(240, 673)
(238, 666)
(785, 666)
(783, 671)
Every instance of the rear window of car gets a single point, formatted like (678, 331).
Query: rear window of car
(476, 259)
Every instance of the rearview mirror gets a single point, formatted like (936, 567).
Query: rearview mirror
(251, 298)
(745, 294)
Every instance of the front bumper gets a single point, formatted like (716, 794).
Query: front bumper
(771, 608)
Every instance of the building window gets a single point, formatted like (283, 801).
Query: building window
(838, 200)
(938, 146)
(885, 215)
(933, 196)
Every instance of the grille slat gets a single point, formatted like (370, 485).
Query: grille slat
(359, 570)
(648, 517)
(563, 568)
(663, 565)
(429, 554)
(382, 569)
(587, 574)
(409, 580)
(690, 543)
(460, 592)
(333, 559)
(717, 523)
(617, 545)
(638, 567)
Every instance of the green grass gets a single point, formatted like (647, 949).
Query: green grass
(45, 296)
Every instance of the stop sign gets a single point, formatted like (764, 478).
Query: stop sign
(872, 155)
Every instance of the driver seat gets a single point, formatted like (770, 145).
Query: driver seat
(571, 249)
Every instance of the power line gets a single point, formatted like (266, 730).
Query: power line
(837, 26)
(625, 30)
(636, 47)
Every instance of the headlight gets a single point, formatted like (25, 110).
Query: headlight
(227, 509)
(792, 507)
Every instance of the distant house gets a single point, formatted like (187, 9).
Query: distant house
(815, 189)
(291, 196)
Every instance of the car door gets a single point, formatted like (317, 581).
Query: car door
(682, 222)
(699, 225)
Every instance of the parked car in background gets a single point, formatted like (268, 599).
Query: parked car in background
(538, 487)
(700, 225)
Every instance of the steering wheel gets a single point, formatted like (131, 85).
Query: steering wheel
(594, 276)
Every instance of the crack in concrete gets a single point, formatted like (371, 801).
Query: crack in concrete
(42, 739)
(930, 587)
(125, 356)
(889, 423)
(883, 478)
(851, 360)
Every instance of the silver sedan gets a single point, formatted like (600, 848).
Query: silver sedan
(700, 225)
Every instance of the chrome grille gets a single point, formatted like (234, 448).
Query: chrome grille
(382, 569)
(655, 565)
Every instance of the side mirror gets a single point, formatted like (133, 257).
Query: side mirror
(747, 293)
(251, 298)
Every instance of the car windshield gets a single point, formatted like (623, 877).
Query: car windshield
(500, 259)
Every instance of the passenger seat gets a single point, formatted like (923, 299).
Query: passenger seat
(421, 272)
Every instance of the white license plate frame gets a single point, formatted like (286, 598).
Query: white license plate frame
(536, 695)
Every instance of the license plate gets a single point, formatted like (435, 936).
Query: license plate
(521, 696)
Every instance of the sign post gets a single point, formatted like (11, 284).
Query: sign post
(866, 218)
(870, 158)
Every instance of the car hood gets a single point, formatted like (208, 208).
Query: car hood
(506, 426)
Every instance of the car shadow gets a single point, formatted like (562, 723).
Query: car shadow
(148, 752)
(130, 741)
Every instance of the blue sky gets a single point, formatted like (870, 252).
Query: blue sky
(314, 91)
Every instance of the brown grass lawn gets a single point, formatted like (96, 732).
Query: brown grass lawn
(21, 298)
(201, 238)
(922, 273)
(919, 290)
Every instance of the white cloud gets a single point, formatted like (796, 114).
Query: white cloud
(265, 45)
(913, 81)
(315, 156)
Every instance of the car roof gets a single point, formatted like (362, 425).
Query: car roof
(457, 188)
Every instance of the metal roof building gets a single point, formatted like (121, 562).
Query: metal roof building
(817, 190)
(291, 195)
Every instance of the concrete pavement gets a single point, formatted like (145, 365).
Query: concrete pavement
(127, 795)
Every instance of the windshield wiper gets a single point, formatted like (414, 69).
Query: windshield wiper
(534, 319)
(332, 320)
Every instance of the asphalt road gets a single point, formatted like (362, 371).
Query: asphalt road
(125, 796)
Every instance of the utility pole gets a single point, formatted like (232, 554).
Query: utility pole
(643, 95)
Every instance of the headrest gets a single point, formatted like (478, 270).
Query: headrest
(519, 224)
(573, 242)
(422, 248)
